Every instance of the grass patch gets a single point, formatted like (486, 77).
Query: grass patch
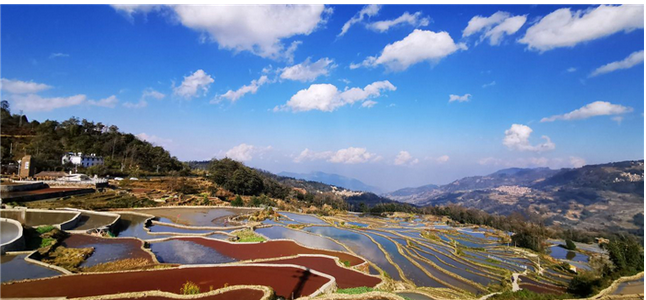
(68, 258)
(247, 235)
(125, 264)
(355, 290)
(528, 295)
(45, 229)
(364, 289)
(46, 242)
(189, 288)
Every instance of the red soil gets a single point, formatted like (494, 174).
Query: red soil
(286, 281)
(269, 249)
(246, 294)
(345, 278)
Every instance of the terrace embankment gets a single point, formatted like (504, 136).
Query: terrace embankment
(345, 278)
(239, 294)
(287, 281)
(269, 249)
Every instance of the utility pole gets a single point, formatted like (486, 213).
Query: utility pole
(20, 120)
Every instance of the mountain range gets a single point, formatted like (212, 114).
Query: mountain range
(334, 179)
(609, 196)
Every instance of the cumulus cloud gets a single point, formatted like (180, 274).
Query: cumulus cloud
(252, 88)
(193, 85)
(415, 20)
(567, 28)
(632, 60)
(403, 158)
(308, 71)
(258, 29)
(309, 155)
(598, 108)
(577, 162)
(368, 10)
(245, 152)
(106, 102)
(442, 159)
(134, 105)
(153, 139)
(326, 97)
(494, 27)
(22, 87)
(151, 93)
(517, 138)
(458, 98)
(351, 155)
(419, 46)
(368, 103)
(33, 102)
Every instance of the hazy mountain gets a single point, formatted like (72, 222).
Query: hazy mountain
(593, 196)
(334, 179)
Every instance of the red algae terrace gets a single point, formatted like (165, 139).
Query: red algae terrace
(269, 249)
(285, 280)
(295, 255)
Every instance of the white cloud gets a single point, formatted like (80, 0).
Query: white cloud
(326, 97)
(55, 55)
(419, 46)
(486, 85)
(368, 103)
(415, 20)
(110, 102)
(349, 155)
(442, 159)
(566, 28)
(598, 108)
(141, 104)
(151, 93)
(517, 138)
(258, 29)
(632, 60)
(571, 70)
(193, 84)
(577, 162)
(155, 140)
(352, 155)
(309, 155)
(233, 96)
(494, 27)
(22, 87)
(307, 71)
(403, 158)
(33, 102)
(368, 10)
(463, 98)
(245, 152)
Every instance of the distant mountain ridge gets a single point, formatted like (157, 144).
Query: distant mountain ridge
(606, 195)
(334, 179)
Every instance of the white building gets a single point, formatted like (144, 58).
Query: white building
(80, 159)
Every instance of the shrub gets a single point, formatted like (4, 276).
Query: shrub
(569, 244)
(237, 201)
(45, 229)
(190, 288)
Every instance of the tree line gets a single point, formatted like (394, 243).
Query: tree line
(48, 141)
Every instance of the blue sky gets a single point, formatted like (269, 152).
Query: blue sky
(286, 89)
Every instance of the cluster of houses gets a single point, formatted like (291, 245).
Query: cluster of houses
(76, 159)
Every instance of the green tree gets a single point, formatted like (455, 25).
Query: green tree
(237, 201)
(569, 244)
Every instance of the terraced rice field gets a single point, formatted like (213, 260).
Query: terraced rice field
(423, 258)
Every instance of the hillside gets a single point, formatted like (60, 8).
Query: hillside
(606, 196)
(334, 179)
(47, 141)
